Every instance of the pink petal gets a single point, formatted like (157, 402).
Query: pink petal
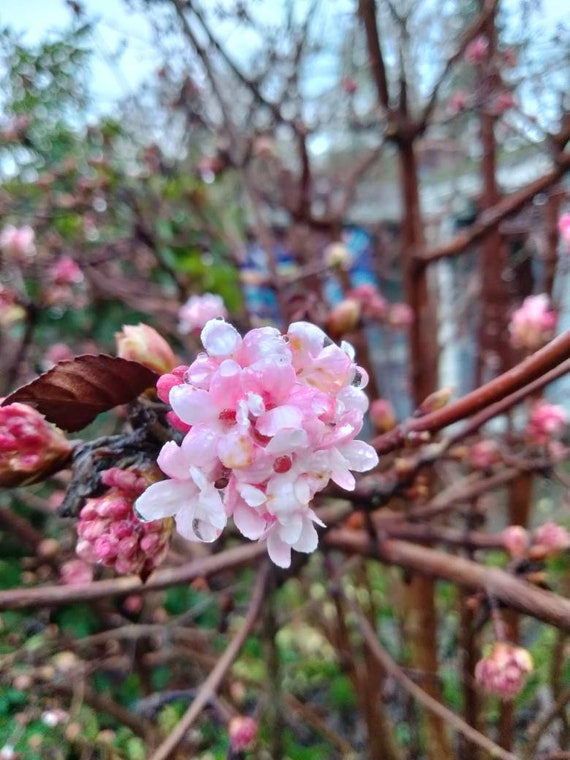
(220, 338)
(192, 406)
(173, 461)
(308, 540)
(279, 552)
(280, 418)
(249, 522)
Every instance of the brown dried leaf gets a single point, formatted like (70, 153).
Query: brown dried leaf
(74, 392)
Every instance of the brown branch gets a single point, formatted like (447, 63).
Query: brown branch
(469, 34)
(47, 596)
(395, 672)
(517, 594)
(492, 217)
(217, 674)
(533, 367)
(535, 734)
(367, 13)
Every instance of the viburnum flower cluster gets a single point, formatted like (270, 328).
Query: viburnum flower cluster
(272, 418)
(193, 315)
(504, 670)
(111, 534)
(533, 324)
(546, 421)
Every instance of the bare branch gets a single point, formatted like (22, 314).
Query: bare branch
(367, 13)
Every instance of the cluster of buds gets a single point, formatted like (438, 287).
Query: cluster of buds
(533, 324)
(504, 670)
(548, 540)
(193, 315)
(546, 422)
(110, 532)
(65, 280)
(18, 243)
(272, 419)
(476, 51)
(141, 343)
(30, 448)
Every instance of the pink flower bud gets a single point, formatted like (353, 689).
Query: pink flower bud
(400, 315)
(111, 534)
(349, 85)
(503, 101)
(504, 671)
(457, 102)
(382, 414)
(435, 401)
(516, 541)
(564, 229)
(198, 310)
(549, 539)
(65, 271)
(343, 318)
(166, 382)
(30, 448)
(242, 731)
(18, 242)
(76, 572)
(476, 51)
(483, 454)
(141, 343)
(546, 422)
(533, 324)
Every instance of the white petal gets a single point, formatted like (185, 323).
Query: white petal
(279, 418)
(165, 499)
(249, 522)
(308, 540)
(173, 462)
(290, 529)
(360, 455)
(279, 552)
(287, 442)
(192, 406)
(253, 496)
(219, 338)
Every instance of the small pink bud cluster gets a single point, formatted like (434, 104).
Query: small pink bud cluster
(549, 540)
(476, 51)
(504, 670)
(533, 324)
(272, 419)
(65, 280)
(18, 243)
(163, 387)
(375, 307)
(29, 445)
(484, 454)
(546, 422)
(516, 541)
(193, 315)
(111, 534)
(65, 271)
(382, 414)
(141, 343)
(564, 229)
(242, 731)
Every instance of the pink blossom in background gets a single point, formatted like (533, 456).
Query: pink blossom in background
(57, 352)
(476, 51)
(516, 541)
(76, 572)
(503, 101)
(546, 422)
(373, 304)
(483, 454)
(509, 56)
(242, 732)
(198, 310)
(533, 324)
(550, 539)
(400, 315)
(272, 419)
(18, 242)
(457, 102)
(65, 271)
(564, 229)
(382, 414)
(504, 670)
(110, 533)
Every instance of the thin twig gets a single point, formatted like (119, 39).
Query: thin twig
(212, 682)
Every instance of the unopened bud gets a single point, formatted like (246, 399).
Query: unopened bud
(435, 401)
(343, 318)
(242, 731)
(338, 255)
(141, 343)
(548, 540)
(382, 414)
(504, 671)
(30, 448)
(516, 541)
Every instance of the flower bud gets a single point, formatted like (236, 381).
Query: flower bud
(548, 540)
(30, 448)
(504, 671)
(141, 343)
(476, 51)
(382, 415)
(533, 324)
(483, 454)
(242, 731)
(516, 541)
(546, 421)
(435, 401)
(343, 318)
(338, 255)
(400, 315)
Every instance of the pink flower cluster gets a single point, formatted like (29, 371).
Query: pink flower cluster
(272, 418)
(546, 421)
(533, 324)
(29, 445)
(198, 310)
(504, 671)
(18, 242)
(111, 534)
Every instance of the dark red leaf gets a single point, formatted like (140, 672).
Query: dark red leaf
(74, 392)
